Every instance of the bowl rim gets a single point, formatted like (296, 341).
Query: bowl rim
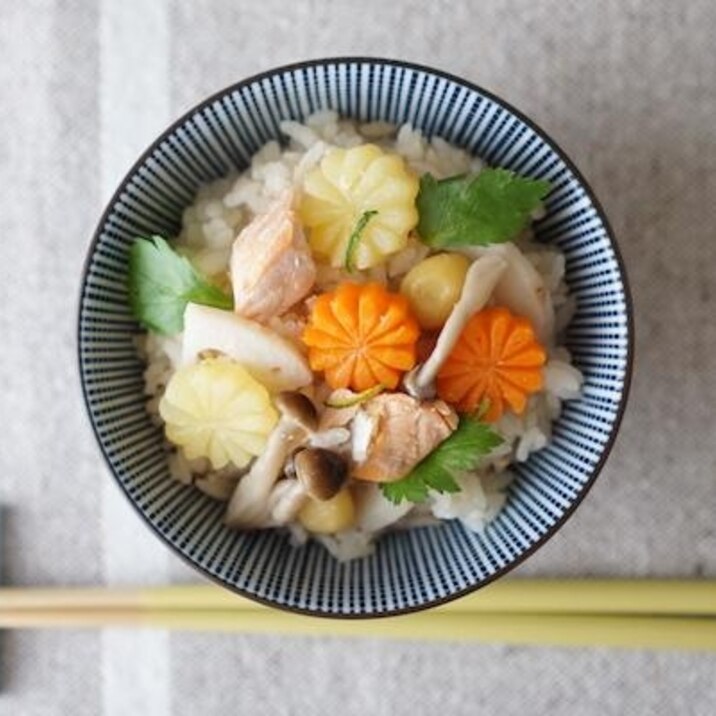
(628, 302)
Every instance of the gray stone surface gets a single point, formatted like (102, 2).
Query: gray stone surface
(627, 88)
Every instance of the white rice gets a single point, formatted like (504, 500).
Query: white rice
(223, 207)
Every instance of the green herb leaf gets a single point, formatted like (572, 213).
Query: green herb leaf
(461, 452)
(416, 486)
(161, 283)
(489, 208)
(354, 240)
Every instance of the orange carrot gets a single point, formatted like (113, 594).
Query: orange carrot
(496, 359)
(361, 336)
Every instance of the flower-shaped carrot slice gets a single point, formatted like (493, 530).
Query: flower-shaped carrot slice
(496, 359)
(361, 336)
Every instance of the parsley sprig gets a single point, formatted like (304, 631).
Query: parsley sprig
(161, 283)
(488, 208)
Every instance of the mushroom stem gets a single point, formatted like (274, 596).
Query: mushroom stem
(480, 281)
(521, 288)
(249, 506)
(286, 500)
(329, 438)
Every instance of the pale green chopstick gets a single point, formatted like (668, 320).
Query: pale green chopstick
(621, 613)
(616, 596)
(646, 632)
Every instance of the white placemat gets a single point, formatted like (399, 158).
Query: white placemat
(627, 88)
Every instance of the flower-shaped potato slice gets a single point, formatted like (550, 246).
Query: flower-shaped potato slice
(215, 409)
(348, 184)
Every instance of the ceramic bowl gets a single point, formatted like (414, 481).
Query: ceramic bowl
(412, 569)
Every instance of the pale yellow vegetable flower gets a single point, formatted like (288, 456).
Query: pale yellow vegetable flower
(216, 410)
(346, 185)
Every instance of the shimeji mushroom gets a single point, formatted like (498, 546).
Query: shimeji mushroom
(320, 475)
(480, 281)
(523, 291)
(254, 503)
(248, 506)
(285, 501)
(321, 472)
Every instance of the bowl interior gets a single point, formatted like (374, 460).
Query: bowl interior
(410, 569)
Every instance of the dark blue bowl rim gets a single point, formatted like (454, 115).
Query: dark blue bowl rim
(610, 235)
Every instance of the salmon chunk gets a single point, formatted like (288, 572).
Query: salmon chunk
(394, 432)
(271, 264)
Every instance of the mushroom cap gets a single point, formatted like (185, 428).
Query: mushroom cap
(298, 408)
(322, 472)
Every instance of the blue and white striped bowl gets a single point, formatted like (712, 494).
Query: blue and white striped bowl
(411, 569)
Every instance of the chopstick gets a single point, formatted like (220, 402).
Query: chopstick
(618, 613)
(663, 597)
(646, 632)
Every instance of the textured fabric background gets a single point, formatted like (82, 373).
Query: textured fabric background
(627, 87)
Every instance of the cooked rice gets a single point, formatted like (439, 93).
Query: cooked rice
(219, 211)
